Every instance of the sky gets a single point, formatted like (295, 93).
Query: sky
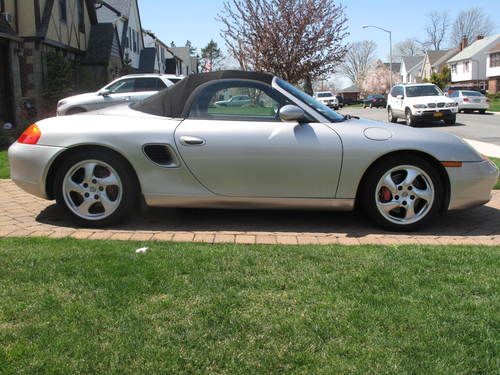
(195, 20)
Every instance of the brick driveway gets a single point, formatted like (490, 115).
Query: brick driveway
(23, 215)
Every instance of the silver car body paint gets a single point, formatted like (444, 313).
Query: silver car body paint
(278, 165)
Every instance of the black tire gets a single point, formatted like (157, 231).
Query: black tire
(74, 111)
(391, 116)
(482, 111)
(130, 195)
(409, 119)
(451, 121)
(367, 193)
(371, 105)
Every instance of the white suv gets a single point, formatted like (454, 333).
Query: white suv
(420, 102)
(127, 89)
(328, 99)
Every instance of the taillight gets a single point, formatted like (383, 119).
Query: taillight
(30, 136)
(466, 100)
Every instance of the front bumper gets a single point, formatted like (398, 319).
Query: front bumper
(29, 165)
(435, 115)
(471, 184)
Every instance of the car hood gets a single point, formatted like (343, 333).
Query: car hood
(429, 99)
(443, 146)
(81, 98)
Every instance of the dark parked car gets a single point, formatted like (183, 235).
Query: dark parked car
(340, 100)
(374, 100)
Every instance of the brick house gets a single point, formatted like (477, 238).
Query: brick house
(493, 69)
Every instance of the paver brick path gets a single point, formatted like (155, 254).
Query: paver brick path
(23, 215)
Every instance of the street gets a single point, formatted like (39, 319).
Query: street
(484, 128)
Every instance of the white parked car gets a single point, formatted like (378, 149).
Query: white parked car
(328, 99)
(420, 102)
(469, 100)
(131, 88)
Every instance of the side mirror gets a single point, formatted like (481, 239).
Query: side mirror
(400, 97)
(289, 113)
(104, 92)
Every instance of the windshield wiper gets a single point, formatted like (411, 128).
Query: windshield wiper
(349, 117)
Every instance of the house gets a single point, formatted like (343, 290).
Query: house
(124, 14)
(493, 69)
(468, 67)
(154, 55)
(410, 69)
(188, 62)
(396, 69)
(435, 60)
(31, 33)
(350, 94)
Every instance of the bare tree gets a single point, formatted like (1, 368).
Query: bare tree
(436, 29)
(407, 47)
(471, 23)
(296, 39)
(359, 56)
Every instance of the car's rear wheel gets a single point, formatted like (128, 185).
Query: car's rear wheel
(402, 194)
(95, 188)
(390, 116)
(482, 111)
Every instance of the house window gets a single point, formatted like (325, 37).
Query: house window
(62, 11)
(454, 68)
(494, 59)
(134, 42)
(81, 15)
(466, 66)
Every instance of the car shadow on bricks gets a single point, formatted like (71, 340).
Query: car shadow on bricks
(481, 221)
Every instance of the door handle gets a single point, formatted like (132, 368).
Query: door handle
(191, 141)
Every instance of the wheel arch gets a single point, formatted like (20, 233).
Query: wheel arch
(431, 159)
(51, 173)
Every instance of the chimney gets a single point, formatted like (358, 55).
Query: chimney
(464, 42)
(480, 36)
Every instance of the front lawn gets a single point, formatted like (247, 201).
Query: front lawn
(495, 105)
(497, 162)
(69, 306)
(4, 165)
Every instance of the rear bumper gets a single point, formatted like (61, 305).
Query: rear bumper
(29, 165)
(473, 106)
(471, 184)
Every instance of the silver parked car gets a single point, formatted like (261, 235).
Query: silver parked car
(130, 89)
(470, 100)
(285, 150)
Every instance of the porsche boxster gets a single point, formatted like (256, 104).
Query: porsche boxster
(282, 149)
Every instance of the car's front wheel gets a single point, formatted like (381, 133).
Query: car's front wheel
(410, 120)
(390, 116)
(402, 194)
(95, 188)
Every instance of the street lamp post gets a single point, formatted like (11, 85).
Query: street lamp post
(390, 46)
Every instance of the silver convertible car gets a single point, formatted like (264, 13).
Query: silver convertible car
(283, 149)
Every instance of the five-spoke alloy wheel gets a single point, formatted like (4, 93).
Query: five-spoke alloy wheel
(95, 188)
(402, 193)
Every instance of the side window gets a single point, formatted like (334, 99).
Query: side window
(394, 91)
(454, 94)
(401, 91)
(238, 100)
(124, 85)
(149, 84)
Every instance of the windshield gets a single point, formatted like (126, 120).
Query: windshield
(324, 94)
(310, 101)
(424, 90)
(471, 93)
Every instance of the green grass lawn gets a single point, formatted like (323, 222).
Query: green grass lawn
(495, 105)
(497, 162)
(69, 306)
(4, 165)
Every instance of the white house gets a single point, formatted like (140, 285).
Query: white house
(124, 14)
(493, 68)
(189, 63)
(154, 54)
(411, 69)
(468, 67)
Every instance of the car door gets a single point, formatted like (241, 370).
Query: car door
(397, 100)
(248, 152)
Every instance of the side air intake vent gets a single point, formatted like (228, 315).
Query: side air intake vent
(161, 155)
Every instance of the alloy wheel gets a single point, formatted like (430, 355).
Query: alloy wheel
(92, 189)
(404, 194)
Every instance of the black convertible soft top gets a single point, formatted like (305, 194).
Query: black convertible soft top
(170, 102)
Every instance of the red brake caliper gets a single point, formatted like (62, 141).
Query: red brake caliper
(385, 195)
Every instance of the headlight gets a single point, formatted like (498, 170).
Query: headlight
(451, 104)
(419, 106)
